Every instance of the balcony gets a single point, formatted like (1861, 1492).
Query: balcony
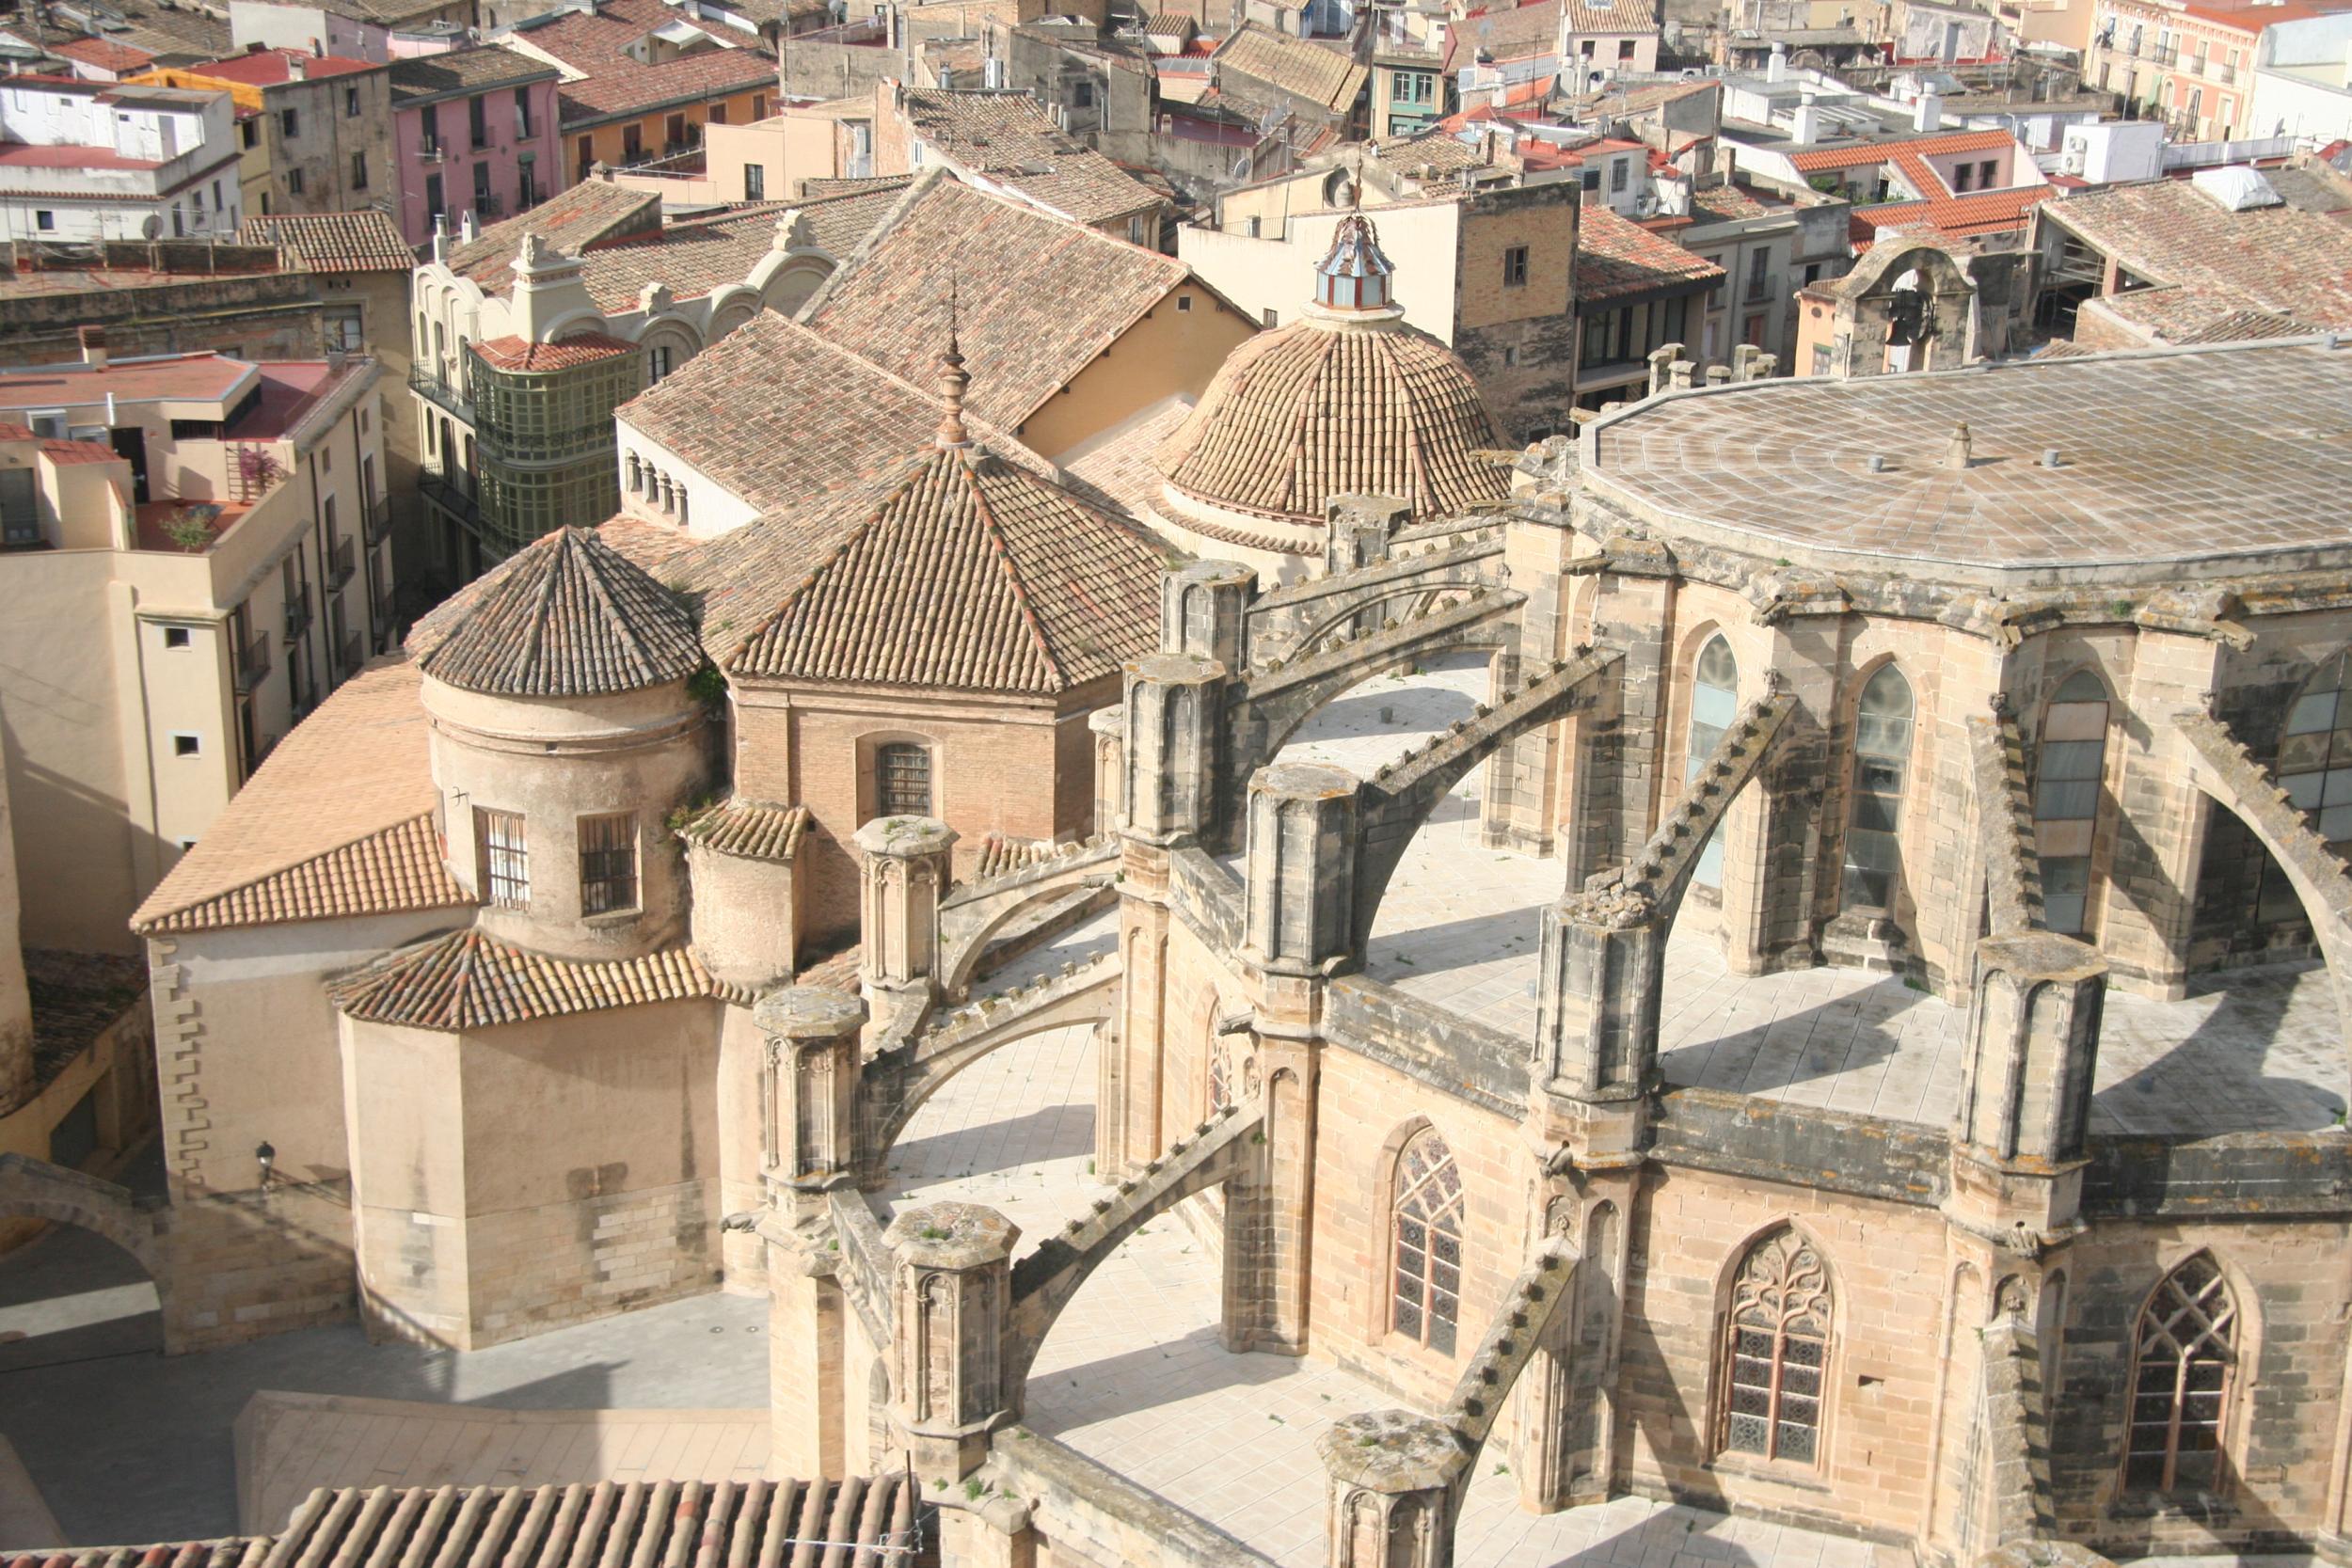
(455, 496)
(430, 149)
(486, 206)
(2165, 54)
(253, 662)
(380, 611)
(342, 560)
(297, 614)
(2225, 73)
(353, 654)
(449, 399)
(376, 520)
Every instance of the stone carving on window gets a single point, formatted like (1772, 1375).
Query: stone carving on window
(1776, 1351)
(2185, 1359)
(1425, 1284)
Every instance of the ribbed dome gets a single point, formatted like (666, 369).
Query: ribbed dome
(1346, 400)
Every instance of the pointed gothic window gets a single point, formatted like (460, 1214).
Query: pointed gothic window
(2184, 1358)
(1881, 756)
(1776, 1351)
(1714, 703)
(2072, 764)
(1425, 1216)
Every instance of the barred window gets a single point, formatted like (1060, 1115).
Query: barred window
(1425, 1212)
(608, 864)
(902, 779)
(2184, 1357)
(1776, 1351)
(506, 858)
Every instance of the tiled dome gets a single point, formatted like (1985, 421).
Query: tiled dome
(1347, 400)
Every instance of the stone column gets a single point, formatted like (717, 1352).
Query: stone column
(1109, 728)
(807, 1407)
(2025, 1105)
(1600, 974)
(1173, 714)
(1392, 1479)
(2158, 834)
(1565, 1435)
(905, 869)
(1771, 894)
(1616, 770)
(1204, 611)
(1357, 531)
(808, 1133)
(1300, 867)
(951, 1290)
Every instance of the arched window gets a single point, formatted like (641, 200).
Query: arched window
(2073, 760)
(1881, 757)
(2182, 1358)
(2316, 755)
(1776, 1351)
(1221, 1073)
(1714, 703)
(1425, 1217)
(902, 779)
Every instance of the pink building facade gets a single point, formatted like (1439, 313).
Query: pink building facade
(474, 133)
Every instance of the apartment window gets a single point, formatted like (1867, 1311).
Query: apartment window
(717, 114)
(527, 181)
(902, 779)
(1514, 267)
(1620, 170)
(218, 206)
(1184, 305)
(632, 143)
(346, 331)
(44, 221)
(359, 171)
(506, 858)
(1625, 51)
(608, 864)
(660, 360)
(1271, 317)
(484, 203)
(351, 102)
(1592, 181)
(759, 105)
(1821, 360)
(523, 113)
(754, 183)
(1986, 173)
(294, 181)
(248, 132)
(1081, 95)
(187, 745)
(289, 124)
(435, 205)
(673, 130)
(587, 156)
(1963, 178)
(177, 637)
(478, 122)
(20, 508)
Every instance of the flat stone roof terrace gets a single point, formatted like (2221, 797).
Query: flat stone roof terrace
(2252, 1050)
(2152, 472)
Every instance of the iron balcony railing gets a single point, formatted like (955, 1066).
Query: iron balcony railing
(454, 497)
(299, 615)
(429, 150)
(253, 662)
(377, 519)
(353, 654)
(342, 560)
(450, 400)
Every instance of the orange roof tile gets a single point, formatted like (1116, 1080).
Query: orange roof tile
(470, 980)
(1814, 160)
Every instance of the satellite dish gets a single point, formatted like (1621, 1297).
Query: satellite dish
(151, 227)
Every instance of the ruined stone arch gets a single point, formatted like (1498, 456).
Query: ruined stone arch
(37, 1190)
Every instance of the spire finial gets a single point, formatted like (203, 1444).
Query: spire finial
(952, 382)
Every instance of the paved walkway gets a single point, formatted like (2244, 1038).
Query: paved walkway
(2255, 1049)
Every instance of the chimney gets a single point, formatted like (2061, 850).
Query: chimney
(94, 347)
(466, 230)
(1956, 451)
(1776, 69)
(1928, 113)
(318, 49)
(297, 67)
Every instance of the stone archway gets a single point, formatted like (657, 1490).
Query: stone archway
(37, 1190)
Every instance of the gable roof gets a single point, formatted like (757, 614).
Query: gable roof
(604, 81)
(1295, 66)
(1517, 33)
(1958, 217)
(336, 822)
(462, 73)
(570, 221)
(1007, 138)
(365, 241)
(1615, 257)
(691, 258)
(471, 980)
(965, 572)
(567, 616)
(1057, 295)
(1613, 16)
(1813, 159)
(2279, 260)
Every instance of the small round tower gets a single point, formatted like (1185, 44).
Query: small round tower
(564, 736)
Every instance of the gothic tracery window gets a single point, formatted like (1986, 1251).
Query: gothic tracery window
(1714, 703)
(1425, 1216)
(1776, 1351)
(2182, 1359)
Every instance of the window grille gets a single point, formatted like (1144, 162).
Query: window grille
(506, 858)
(902, 780)
(608, 864)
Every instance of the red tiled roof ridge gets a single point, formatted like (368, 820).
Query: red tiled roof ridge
(1011, 567)
(1813, 159)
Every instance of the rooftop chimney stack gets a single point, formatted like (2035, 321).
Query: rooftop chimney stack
(1928, 113)
(1776, 69)
(94, 347)
(1956, 452)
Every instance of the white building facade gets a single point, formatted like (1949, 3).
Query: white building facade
(83, 161)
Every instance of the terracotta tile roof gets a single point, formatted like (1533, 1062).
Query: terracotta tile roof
(9, 432)
(264, 68)
(1505, 34)
(1957, 217)
(693, 259)
(366, 241)
(570, 221)
(1306, 412)
(105, 54)
(1615, 257)
(749, 830)
(1612, 16)
(1007, 138)
(520, 354)
(1726, 204)
(567, 616)
(471, 980)
(76, 997)
(323, 828)
(1814, 160)
(426, 78)
(1293, 65)
(2279, 259)
(1057, 295)
(646, 545)
(634, 1522)
(612, 84)
(66, 453)
(969, 574)
(776, 415)
(245, 1551)
(2183, 316)
(1120, 469)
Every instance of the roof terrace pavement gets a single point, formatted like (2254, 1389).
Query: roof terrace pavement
(2250, 1050)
